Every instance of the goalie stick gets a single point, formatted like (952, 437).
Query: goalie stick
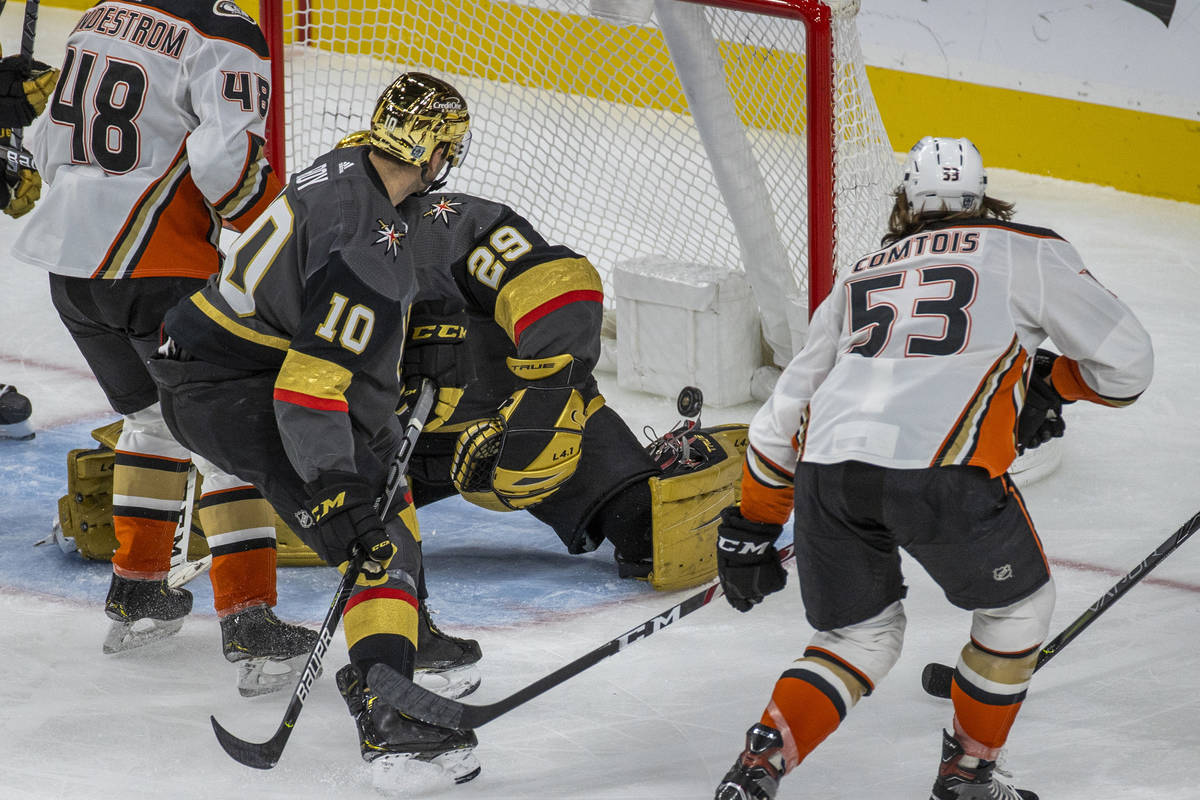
(936, 679)
(264, 755)
(416, 701)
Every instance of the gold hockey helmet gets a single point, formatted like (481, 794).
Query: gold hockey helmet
(417, 113)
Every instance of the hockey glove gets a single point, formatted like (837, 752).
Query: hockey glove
(520, 457)
(24, 189)
(343, 509)
(25, 87)
(747, 561)
(1041, 416)
(433, 349)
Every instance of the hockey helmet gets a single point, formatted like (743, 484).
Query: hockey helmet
(417, 113)
(944, 176)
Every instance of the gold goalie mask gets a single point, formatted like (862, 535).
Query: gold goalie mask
(533, 445)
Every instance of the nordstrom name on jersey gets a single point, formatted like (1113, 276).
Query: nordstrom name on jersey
(136, 28)
(936, 243)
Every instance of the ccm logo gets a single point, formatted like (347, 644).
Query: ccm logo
(742, 548)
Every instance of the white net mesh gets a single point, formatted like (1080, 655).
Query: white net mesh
(582, 126)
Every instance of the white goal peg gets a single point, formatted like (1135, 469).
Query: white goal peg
(622, 12)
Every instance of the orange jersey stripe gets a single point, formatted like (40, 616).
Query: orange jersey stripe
(762, 503)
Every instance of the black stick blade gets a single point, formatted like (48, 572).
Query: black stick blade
(936, 679)
(262, 755)
(416, 701)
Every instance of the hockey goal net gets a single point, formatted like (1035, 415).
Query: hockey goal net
(736, 133)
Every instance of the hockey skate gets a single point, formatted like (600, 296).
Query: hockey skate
(268, 652)
(143, 612)
(403, 751)
(446, 664)
(964, 777)
(15, 411)
(756, 773)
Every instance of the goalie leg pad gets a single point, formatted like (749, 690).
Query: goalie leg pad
(85, 511)
(687, 500)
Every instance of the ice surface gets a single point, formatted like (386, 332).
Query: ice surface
(1113, 716)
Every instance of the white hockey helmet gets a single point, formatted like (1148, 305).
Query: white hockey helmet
(943, 175)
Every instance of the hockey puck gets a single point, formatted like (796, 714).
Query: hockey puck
(689, 402)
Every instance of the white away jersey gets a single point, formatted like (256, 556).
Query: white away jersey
(153, 135)
(917, 358)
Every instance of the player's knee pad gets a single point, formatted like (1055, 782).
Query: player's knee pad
(868, 649)
(1018, 627)
(145, 432)
(686, 502)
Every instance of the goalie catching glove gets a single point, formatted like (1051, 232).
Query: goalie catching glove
(532, 447)
(432, 349)
(1041, 416)
(747, 561)
(343, 509)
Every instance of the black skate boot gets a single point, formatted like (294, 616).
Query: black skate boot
(389, 739)
(756, 773)
(15, 411)
(964, 777)
(267, 651)
(446, 664)
(131, 601)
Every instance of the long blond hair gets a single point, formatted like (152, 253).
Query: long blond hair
(903, 222)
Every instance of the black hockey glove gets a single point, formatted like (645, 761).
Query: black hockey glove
(433, 350)
(1041, 417)
(747, 561)
(343, 509)
(24, 88)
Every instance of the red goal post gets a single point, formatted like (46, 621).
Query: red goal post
(735, 133)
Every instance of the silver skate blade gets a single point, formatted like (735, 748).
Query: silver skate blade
(17, 431)
(416, 775)
(259, 676)
(450, 683)
(123, 636)
(188, 571)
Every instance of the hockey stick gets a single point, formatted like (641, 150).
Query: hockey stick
(264, 755)
(416, 701)
(28, 31)
(182, 570)
(16, 158)
(936, 678)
